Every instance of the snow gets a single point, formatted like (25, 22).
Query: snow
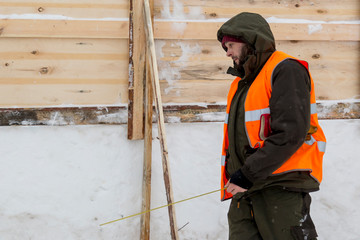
(166, 70)
(63, 182)
(176, 11)
(313, 28)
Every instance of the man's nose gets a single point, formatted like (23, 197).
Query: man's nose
(228, 53)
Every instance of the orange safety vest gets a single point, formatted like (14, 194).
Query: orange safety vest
(307, 158)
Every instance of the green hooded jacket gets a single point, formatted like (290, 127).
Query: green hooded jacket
(289, 106)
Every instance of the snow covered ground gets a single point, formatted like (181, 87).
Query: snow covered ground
(62, 182)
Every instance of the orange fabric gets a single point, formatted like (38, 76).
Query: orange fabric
(308, 157)
(224, 177)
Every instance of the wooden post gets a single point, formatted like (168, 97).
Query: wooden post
(137, 60)
(146, 187)
(160, 119)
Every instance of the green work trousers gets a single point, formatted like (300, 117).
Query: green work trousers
(271, 214)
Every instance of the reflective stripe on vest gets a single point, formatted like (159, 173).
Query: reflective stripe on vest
(223, 160)
(255, 114)
(227, 118)
(313, 108)
(321, 144)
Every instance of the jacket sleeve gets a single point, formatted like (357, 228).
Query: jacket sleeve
(290, 121)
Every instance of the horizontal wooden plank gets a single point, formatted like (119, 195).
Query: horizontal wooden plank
(168, 29)
(63, 116)
(328, 10)
(62, 69)
(281, 31)
(63, 28)
(41, 47)
(181, 51)
(85, 2)
(172, 113)
(192, 91)
(215, 91)
(62, 95)
(72, 9)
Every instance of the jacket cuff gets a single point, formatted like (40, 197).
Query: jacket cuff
(239, 179)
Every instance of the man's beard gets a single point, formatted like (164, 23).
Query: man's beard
(246, 51)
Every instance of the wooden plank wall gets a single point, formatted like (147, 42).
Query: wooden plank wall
(61, 53)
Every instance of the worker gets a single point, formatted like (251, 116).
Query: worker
(273, 144)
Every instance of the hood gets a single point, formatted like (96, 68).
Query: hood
(254, 30)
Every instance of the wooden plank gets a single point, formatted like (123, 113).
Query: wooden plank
(63, 28)
(136, 72)
(82, 2)
(311, 10)
(215, 91)
(172, 113)
(146, 206)
(148, 107)
(62, 116)
(73, 9)
(56, 71)
(62, 95)
(169, 29)
(216, 113)
(299, 31)
(328, 10)
(45, 47)
(146, 198)
(160, 118)
(131, 71)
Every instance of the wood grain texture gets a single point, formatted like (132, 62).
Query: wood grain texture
(169, 29)
(32, 95)
(328, 10)
(299, 31)
(63, 28)
(136, 71)
(146, 183)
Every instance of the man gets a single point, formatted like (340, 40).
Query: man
(273, 144)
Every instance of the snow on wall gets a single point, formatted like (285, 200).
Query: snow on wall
(62, 182)
(166, 70)
(177, 11)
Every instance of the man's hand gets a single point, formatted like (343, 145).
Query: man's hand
(233, 188)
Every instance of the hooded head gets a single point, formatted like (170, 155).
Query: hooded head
(252, 29)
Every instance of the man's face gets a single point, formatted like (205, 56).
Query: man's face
(235, 50)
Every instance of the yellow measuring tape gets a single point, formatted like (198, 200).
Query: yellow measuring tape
(162, 206)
